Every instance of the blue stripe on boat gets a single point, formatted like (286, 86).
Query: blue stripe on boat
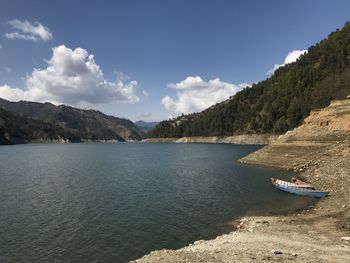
(301, 191)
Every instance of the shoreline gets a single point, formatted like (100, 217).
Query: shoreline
(317, 233)
(255, 139)
(261, 139)
(319, 151)
(39, 141)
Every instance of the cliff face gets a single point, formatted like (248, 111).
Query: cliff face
(24, 121)
(320, 134)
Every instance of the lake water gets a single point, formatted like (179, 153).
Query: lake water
(117, 202)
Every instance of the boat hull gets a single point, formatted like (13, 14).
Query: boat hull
(301, 191)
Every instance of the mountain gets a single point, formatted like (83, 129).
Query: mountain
(16, 129)
(145, 126)
(279, 103)
(26, 121)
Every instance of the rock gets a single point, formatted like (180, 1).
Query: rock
(240, 225)
(343, 206)
(294, 254)
(265, 222)
(198, 242)
(276, 252)
(345, 238)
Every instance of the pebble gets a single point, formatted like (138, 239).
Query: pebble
(241, 225)
(294, 254)
(345, 238)
(276, 252)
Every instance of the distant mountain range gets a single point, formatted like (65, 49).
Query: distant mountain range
(279, 103)
(146, 126)
(24, 121)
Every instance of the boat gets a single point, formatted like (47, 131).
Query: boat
(294, 188)
(295, 183)
(302, 184)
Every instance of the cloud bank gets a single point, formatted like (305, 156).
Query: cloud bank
(291, 57)
(28, 31)
(71, 77)
(195, 94)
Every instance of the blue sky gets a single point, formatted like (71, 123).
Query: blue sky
(172, 56)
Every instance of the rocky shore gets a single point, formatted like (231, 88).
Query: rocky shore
(320, 151)
(237, 139)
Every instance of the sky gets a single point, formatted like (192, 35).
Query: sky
(151, 60)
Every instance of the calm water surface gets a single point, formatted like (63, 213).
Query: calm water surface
(117, 202)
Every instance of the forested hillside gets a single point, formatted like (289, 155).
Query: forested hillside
(278, 103)
(25, 121)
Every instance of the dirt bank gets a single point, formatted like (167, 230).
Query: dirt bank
(319, 135)
(320, 150)
(237, 139)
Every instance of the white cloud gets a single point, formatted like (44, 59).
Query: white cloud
(291, 57)
(9, 93)
(28, 31)
(195, 94)
(145, 93)
(8, 70)
(121, 76)
(0, 46)
(71, 77)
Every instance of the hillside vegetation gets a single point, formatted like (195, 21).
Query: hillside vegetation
(24, 121)
(278, 103)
